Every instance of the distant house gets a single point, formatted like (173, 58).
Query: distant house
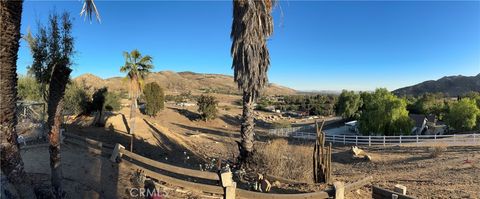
(427, 125)
(420, 122)
(352, 126)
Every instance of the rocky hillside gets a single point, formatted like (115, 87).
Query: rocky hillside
(449, 85)
(179, 82)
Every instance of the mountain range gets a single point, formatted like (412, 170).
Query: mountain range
(174, 82)
(449, 85)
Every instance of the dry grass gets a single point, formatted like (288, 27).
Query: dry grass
(437, 149)
(283, 159)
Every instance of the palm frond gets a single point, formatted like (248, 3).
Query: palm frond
(251, 27)
(89, 9)
(32, 42)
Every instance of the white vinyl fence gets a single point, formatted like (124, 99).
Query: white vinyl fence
(455, 139)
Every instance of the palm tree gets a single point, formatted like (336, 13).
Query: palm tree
(137, 67)
(12, 164)
(252, 25)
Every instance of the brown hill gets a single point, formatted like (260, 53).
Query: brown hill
(179, 82)
(449, 85)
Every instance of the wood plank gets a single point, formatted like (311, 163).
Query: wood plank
(171, 168)
(272, 178)
(379, 192)
(359, 184)
(250, 194)
(177, 182)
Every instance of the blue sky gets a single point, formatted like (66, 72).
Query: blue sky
(317, 45)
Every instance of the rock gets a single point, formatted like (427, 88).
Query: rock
(359, 153)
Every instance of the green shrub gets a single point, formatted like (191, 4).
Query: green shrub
(105, 100)
(29, 89)
(76, 99)
(462, 115)
(112, 101)
(154, 98)
(207, 107)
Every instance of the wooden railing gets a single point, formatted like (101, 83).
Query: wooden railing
(380, 193)
(130, 159)
(203, 175)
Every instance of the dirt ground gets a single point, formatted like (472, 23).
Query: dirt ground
(455, 173)
(178, 137)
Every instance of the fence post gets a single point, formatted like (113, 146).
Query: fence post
(400, 139)
(343, 139)
(339, 190)
(417, 139)
(474, 141)
(435, 137)
(454, 139)
(116, 152)
(369, 142)
(356, 140)
(334, 139)
(384, 140)
(228, 184)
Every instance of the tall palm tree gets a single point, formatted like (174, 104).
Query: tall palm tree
(11, 162)
(137, 67)
(251, 27)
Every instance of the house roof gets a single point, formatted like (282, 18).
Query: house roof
(418, 119)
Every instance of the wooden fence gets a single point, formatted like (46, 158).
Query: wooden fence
(214, 187)
(455, 139)
(380, 193)
(203, 175)
(130, 159)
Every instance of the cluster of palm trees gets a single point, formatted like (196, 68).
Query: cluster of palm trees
(252, 26)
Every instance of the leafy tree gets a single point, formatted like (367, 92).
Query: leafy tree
(12, 164)
(76, 99)
(137, 67)
(251, 27)
(475, 96)
(348, 104)
(207, 107)
(29, 89)
(384, 113)
(154, 98)
(430, 104)
(52, 51)
(463, 114)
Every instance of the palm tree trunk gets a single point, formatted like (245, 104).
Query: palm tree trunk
(11, 161)
(57, 86)
(247, 129)
(132, 123)
(54, 148)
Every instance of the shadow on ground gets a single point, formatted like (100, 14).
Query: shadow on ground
(192, 116)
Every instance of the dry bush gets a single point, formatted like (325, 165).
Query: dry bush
(283, 159)
(437, 149)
